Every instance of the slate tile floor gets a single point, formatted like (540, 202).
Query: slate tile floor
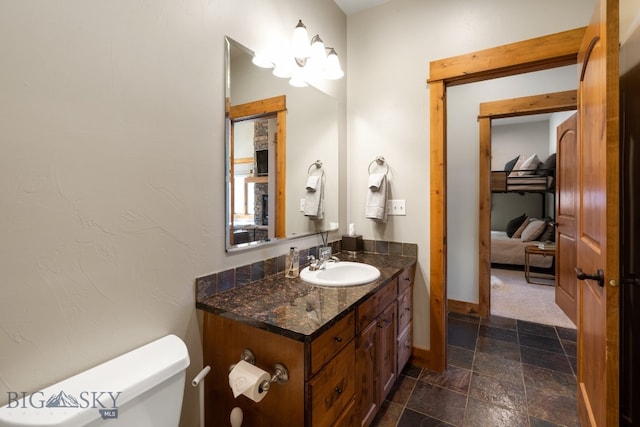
(501, 372)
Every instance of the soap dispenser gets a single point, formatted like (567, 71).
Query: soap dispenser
(293, 263)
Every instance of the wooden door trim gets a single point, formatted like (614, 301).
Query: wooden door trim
(540, 53)
(515, 107)
(535, 54)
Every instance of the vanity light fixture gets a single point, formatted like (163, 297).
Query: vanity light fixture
(309, 61)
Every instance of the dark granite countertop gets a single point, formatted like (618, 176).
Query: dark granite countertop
(297, 309)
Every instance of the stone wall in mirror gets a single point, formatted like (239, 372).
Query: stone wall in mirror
(281, 155)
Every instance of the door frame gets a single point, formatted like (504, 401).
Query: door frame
(541, 53)
(515, 107)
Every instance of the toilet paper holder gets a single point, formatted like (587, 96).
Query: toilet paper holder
(279, 375)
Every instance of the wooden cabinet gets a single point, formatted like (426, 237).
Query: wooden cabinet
(366, 378)
(337, 379)
(386, 351)
(321, 387)
(224, 340)
(405, 317)
(383, 343)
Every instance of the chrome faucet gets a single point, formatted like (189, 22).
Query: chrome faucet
(320, 263)
(314, 263)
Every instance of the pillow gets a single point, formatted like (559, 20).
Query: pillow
(533, 230)
(549, 233)
(529, 166)
(548, 167)
(516, 167)
(508, 167)
(518, 233)
(514, 224)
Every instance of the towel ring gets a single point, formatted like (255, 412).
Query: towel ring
(380, 161)
(318, 165)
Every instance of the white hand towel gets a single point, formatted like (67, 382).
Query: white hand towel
(313, 199)
(375, 180)
(312, 182)
(376, 207)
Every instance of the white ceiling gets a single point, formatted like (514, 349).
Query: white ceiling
(353, 6)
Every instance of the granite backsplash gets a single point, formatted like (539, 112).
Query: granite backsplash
(239, 276)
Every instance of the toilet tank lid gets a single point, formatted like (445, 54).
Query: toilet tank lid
(90, 395)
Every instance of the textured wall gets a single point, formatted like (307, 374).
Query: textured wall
(111, 173)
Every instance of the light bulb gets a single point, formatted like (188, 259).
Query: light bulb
(300, 43)
(333, 71)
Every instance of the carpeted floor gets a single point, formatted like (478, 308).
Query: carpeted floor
(513, 297)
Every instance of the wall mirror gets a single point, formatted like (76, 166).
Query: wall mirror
(276, 136)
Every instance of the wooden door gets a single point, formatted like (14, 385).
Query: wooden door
(598, 219)
(566, 204)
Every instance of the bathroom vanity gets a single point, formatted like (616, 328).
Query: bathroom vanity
(343, 347)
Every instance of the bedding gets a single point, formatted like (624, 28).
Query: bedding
(509, 250)
(521, 175)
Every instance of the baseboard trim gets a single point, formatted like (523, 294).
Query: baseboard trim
(421, 357)
(463, 307)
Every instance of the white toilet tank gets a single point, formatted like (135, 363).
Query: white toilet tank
(142, 388)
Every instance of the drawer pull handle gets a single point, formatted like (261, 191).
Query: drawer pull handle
(407, 279)
(407, 309)
(338, 339)
(338, 390)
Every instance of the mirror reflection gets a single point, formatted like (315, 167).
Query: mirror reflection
(275, 134)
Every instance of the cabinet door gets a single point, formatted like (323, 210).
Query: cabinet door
(386, 360)
(366, 376)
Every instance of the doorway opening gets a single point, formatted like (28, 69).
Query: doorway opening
(555, 50)
(523, 220)
(498, 181)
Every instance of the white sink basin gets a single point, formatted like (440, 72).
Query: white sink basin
(343, 273)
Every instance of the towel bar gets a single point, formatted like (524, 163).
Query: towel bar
(318, 165)
(380, 161)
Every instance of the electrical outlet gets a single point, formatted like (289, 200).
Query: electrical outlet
(302, 205)
(396, 207)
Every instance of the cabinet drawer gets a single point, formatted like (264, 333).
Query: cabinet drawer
(349, 417)
(331, 342)
(405, 280)
(405, 341)
(333, 388)
(369, 310)
(404, 309)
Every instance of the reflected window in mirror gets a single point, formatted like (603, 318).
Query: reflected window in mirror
(254, 143)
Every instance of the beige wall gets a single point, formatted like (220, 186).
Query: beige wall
(390, 47)
(111, 156)
(111, 173)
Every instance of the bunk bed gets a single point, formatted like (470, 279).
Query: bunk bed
(521, 176)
